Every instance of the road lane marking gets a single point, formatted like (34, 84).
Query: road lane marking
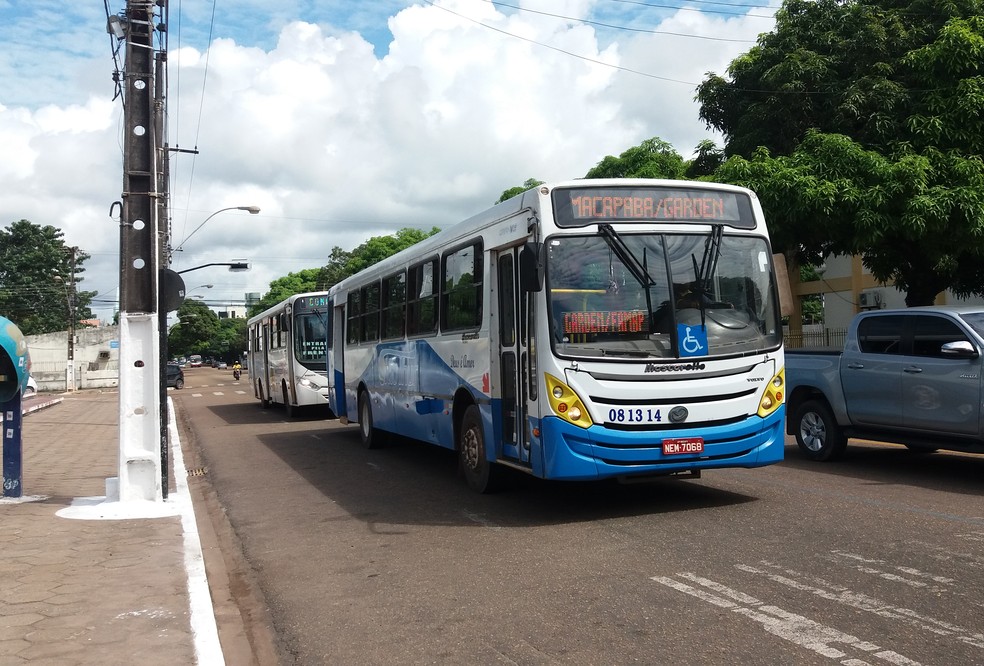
(196, 395)
(791, 627)
(217, 393)
(888, 575)
(868, 604)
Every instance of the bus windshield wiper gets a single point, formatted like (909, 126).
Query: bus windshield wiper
(638, 269)
(625, 255)
(708, 266)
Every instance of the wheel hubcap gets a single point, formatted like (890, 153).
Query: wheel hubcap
(812, 431)
(469, 449)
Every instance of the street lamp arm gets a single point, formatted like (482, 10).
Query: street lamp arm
(253, 210)
(233, 266)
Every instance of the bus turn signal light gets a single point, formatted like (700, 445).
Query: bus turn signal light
(774, 394)
(565, 403)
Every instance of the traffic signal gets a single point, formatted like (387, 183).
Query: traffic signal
(13, 360)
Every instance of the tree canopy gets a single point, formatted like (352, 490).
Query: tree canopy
(519, 189)
(36, 272)
(341, 264)
(195, 331)
(860, 126)
(653, 158)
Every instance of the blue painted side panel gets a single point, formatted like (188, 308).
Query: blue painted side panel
(412, 389)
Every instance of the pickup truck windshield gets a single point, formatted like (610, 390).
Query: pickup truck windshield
(599, 306)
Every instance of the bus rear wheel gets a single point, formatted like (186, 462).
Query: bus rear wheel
(367, 432)
(482, 476)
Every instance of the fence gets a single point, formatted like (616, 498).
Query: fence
(827, 337)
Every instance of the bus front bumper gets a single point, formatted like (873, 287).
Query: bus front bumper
(598, 452)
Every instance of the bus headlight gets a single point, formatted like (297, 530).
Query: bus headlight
(565, 403)
(775, 393)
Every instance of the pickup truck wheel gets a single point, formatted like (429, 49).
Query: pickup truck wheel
(817, 433)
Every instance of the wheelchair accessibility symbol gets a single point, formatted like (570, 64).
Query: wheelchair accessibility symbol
(693, 340)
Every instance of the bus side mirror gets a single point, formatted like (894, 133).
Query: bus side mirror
(13, 360)
(531, 267)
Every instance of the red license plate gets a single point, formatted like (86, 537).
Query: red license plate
(683, 445)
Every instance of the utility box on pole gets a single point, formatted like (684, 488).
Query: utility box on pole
(140, 396)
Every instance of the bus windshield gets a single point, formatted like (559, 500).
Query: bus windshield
(639, 294)
(310, 340)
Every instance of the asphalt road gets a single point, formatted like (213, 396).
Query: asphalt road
(385, 556)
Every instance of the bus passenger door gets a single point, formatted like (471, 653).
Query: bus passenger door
(336, 364)
(509, 351)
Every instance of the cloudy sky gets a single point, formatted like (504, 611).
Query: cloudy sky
(342, 119)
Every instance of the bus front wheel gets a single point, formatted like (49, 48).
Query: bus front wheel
(482, 476)
(367, 432)
(290, 408)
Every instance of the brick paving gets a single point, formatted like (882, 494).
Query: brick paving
(86, 591)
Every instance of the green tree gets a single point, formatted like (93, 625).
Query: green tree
(519, 189)
(653, 158)
(915, 219)
(378, 248)
(885, 74)
(304, 280)
(195, 332)
(707, 158)
(859, 126)
(341, 264)
(229, 341)
(36, 288)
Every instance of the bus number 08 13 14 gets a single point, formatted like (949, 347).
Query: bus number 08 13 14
(634, 415)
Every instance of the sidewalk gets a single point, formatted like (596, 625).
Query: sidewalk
(76, 591)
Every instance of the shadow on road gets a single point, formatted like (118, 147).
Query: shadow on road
(409, 482)
(896, 465)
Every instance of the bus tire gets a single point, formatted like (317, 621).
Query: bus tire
(817, 433)
(370, 437)
(289, 407)
(482, 476)
(264, 400)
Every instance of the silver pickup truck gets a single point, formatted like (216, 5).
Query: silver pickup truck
(909, 376)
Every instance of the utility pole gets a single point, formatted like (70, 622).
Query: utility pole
(140, 396)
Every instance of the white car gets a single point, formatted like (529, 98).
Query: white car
(32, 387)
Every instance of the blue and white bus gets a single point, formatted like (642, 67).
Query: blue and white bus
(588, 329)
(287, 360)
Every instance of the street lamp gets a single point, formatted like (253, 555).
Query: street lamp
(234, 266)
(201, 286)
(252, 210)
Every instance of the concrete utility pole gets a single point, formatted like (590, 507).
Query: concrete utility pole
(70, 297)
(140, 243)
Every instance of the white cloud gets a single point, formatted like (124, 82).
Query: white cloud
(337, 143)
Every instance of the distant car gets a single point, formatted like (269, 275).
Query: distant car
(32, 387)
(175, 376)
(221, 365)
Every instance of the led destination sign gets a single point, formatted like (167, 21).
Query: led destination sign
(632, 321)
(579, 206)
